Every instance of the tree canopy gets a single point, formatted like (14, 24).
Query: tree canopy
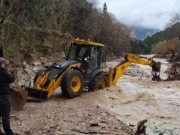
(30, 26)
(48, 27)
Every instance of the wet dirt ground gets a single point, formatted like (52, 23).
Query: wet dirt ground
(113, 110)
(66, 117)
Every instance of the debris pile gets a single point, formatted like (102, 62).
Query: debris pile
(173, 71)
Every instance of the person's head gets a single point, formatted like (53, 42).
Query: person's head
(2, 62)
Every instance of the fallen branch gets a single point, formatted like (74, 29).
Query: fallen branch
(89, 132)
(141, 127)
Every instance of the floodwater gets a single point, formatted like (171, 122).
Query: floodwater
(135, 98)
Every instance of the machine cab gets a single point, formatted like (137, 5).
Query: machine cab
(90, 54)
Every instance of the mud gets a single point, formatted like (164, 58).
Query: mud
(59, 116)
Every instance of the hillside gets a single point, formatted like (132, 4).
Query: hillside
(158, 42)
(162, 40)
(141, 32)
(38, 28)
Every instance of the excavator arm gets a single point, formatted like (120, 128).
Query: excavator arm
(116, 72)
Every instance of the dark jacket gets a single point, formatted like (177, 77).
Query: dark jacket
(5, 80)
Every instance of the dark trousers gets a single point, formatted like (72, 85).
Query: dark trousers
(5, 107)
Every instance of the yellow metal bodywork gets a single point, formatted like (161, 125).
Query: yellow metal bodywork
(87, 42)
(41, 81)
(54, 84)
(113, 75)
(118, 71)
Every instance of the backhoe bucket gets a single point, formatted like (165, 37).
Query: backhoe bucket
(18, 98)
(156, 67)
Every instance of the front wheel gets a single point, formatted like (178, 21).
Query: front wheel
(72, 83)
(99, 82)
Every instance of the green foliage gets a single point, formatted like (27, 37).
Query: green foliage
(105, 7)
(31, 26)
(43, 48)
(157, 41)
(9, 51)
(156, 38)
(79, 15)
(139, 47)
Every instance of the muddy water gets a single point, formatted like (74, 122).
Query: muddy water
(158, 102)
(135, 98)
(132, 102)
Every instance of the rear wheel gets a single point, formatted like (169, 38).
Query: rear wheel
(99, 82)
(72, 83)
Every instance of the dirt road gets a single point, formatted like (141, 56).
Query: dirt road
(59, 116)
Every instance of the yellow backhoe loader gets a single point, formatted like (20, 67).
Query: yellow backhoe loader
(84, 67)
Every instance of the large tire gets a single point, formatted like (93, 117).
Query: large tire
(72, 83)
(99, 82)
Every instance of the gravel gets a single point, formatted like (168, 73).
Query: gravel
(60, 116)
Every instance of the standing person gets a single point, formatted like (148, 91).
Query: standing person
(5, 103)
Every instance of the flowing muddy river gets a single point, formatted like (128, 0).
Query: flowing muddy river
(137, 97)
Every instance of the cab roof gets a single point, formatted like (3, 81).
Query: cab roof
(87, 42)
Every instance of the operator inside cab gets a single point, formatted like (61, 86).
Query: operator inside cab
(91, 63)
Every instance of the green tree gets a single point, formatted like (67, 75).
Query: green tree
(105, 7)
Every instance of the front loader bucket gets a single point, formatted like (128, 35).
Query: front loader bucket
(18, 98)
(36, 95)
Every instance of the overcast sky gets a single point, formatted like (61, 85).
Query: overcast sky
(146, 13)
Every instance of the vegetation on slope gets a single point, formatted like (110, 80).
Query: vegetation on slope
(46, 27)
